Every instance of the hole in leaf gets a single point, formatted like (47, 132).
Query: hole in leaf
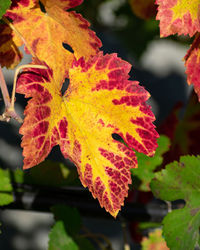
(42, 8)
(65, 86)
(117, 137)
(68, 47)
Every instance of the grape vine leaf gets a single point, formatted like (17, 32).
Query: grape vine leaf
(45, 33)
(71, 220)
(99, 101)
(4, 5)
(144, 9)
(6, 195)
(155, 241)
(178, 16)
(180, 180)
(59, 239)
(147, 165)
(192, 65)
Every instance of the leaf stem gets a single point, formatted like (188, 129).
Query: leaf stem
(15, 78)
(9, 110)
(4, 90)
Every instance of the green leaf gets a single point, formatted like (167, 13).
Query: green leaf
(6, 196)
(180, 180)
(70, 217)
(4, 5)
(59, 238)
(147, 165)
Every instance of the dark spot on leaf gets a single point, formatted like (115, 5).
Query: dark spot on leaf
(116, 137)
(42, 8)
(68, 47)
(65, 86)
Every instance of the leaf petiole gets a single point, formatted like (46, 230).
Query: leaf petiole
(9, 103)
(15, 78)
(9, 111)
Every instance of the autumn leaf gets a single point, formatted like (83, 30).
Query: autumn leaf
(10, 56)
(45, 33)
(155, 241)
(178, 16)
(144, 9)
(192, 59)
(180, 180)
(99, 101)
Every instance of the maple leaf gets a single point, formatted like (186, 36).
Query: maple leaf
(144, 9)
(99, 101)
(178, 16)
(45, 33)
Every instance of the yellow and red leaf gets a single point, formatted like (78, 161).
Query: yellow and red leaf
(99, 101)
(45, 33)
(178, 16)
